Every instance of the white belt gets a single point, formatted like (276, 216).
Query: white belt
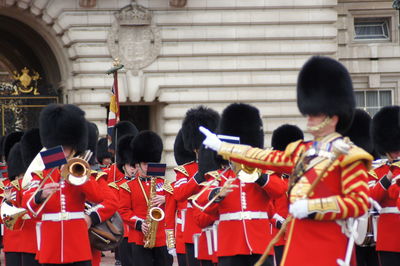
(390, 210)
(247, 215)
(62, 216)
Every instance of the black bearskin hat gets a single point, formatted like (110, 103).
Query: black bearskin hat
(195, 117)
(244, 121)
(124, 151)
(182, 155)
(102, 150)
(2, 145)
(9, 142)
(386, 130)
(121, 129)
(284, 135)
(30, 145)
(147, 146)
(15, 164)
(93, 135)
(324, 86)
(63, 124)
(359, 131)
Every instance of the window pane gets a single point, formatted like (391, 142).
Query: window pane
(371, 28)
(372, 99)
(360, 101)
(385, 98)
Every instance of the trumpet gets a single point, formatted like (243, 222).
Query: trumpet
(76, 172)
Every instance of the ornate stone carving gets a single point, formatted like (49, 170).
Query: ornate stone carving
(133, 39)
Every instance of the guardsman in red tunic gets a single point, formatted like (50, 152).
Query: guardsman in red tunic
(173, 208)
(124, 158)
(186, 185)
(121, 129)
(315, 236)
(30, 147)
(63, 236)
(104, 210)
(360, 134)
(386, 138)
(104, 157)
(244, 210)
(12, 194)
(281, 137)
(145, 191)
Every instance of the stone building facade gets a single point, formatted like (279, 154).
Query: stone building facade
(179, 54)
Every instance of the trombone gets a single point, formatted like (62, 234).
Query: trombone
(243, 173)
(76, 172)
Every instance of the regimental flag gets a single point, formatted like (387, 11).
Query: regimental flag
(113, 114)
(229, 139)
(156, 169)
(53, 157)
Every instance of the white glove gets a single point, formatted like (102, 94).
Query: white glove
(211, 141)
(299, 209)
(172, 251)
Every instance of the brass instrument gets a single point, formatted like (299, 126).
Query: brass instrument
(243, 173)
(76, 172)
(154, 215)
(12, 216)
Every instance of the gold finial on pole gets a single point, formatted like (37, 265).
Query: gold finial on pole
(116, 66)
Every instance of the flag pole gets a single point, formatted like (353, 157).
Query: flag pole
(114, 70)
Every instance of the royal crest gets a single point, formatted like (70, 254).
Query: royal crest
(25, 83)
(133, 39)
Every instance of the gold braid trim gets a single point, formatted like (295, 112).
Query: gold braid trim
(168, 187)
(125, 186)
(113, 185)
(100, 175)
(182, 170)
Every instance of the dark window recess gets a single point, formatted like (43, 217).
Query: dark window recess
(137, 114)
(372, 28)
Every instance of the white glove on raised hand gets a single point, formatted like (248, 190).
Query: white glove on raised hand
(211, 141)
(299, 209)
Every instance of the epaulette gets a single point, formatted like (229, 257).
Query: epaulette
(168, 187)
(373, 174)
(100, 175)
(1, 184)
(291, 147)
(182, 170)
(214, 174)
(125, 186)
(15, 183)
(396, 164)
(113, 185)
(356, 154)
(39, 174)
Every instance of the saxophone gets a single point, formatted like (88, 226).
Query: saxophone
(154, 215)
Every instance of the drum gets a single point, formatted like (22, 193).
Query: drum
(366, 230)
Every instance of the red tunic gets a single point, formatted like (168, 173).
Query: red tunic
(114, 173)
(342, 193)
(279, 211)
(386, 194)
(184, 187)
(245, 212)
(102, 211)
(11, 238)
(134, 208)
(206, 244)
(63, 232)
(173, 222)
